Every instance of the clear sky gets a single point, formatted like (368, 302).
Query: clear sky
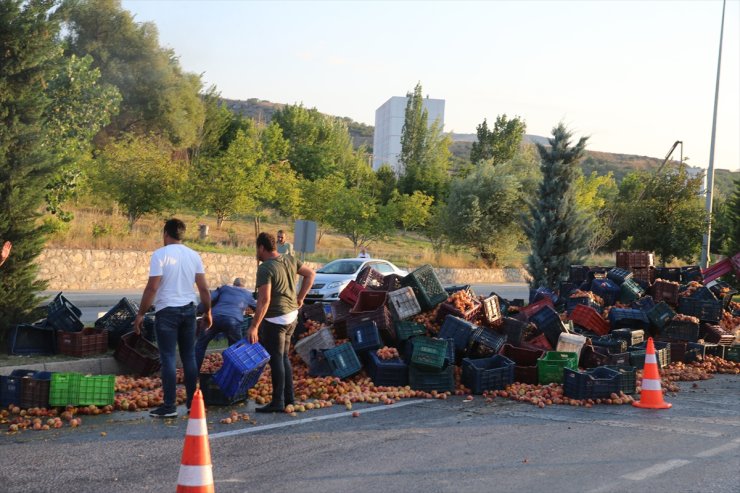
(634, 75)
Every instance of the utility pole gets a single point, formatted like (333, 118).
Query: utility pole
(704, 263)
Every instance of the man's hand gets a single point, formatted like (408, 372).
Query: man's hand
(138, 323)
(252, 335)
(300, 302)
(206, 321)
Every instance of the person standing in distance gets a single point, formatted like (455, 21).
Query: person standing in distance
(284, 247)
(172, 271)
(276, 315)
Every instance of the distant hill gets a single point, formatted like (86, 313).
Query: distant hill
(600, 162)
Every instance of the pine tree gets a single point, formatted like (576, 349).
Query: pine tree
(557, 232)
(29, 57)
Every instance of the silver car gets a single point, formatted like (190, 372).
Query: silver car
(333, 277)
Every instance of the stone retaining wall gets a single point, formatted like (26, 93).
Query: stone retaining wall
(92, 270)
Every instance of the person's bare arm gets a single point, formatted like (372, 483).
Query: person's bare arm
(205, 298)
(308, 276)
(263, 303)
(147, 299)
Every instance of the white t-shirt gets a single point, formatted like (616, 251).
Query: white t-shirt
(178, 265)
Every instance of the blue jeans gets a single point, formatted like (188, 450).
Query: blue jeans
(228, 325)
(175, 326)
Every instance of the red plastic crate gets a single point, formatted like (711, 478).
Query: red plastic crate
(350, 294)
(590, 319)
(533, 308)
(539, 342)
(84, 343)
(665, 291)
(368, 301)
(140, 355)
(630, 260)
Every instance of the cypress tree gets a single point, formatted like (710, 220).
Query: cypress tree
(29, 54)
(557, 232)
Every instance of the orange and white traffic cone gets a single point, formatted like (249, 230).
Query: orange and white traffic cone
(651, 396)
(196, 473)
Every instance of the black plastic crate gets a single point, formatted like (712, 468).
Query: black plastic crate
(493, 373)
(11, 385)
(613, 344)
(660, 314)
(485, 343)
(62, 314)
(662, 353)
(704, 293)
(566, 288)
(724, 292)
(514, 330)
(632, 337)
(691, 273)
(24, 339)
(628, 377)
(618, 275)
(548, 321)
(591, 384)
(387, 373)
(595, 356)
(427, 288)
(607, 289)
(35, 390)
(704, 310)
(578, 273)
(118, 321)
(458, 330)
(628, 318)
(427, 381)
(681, 330)
(365, 337)
(668, 273)
(214, 396)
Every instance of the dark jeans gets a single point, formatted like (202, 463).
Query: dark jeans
(175, 326)
(228, 325)
(276, 340)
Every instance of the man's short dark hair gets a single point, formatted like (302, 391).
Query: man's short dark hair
(175, 229)
(267, 241)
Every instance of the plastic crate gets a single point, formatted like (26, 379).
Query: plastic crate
(618, 275)
(691, 273)
(607, 289)
(96, 390)
(214, 396)
(630, 291)
(704, 310)
(578, 274)
(530, 310)
(485, 343)
(149, 330)
(458, 330)
(548, 321)
(613, 344)
(525, 362)
(343, 360)
(429, 353)
(570, 343)
(646, 303)
(662, 354)
(370, 278)
(406, 330)
(660, 314)
(514, 330)
(551, 365)
(138, 354)
(628, 377)
(62, 314)
(365, 337)
(681, 330)
(493, 373)
(621, 318)
(428, 381)
(704, 293)
(492, 311)
(716, 335)
(595, 356)
(339, 315)
(322, 339)
(565, 289)
(644, 275)
(119, 320)
(630, 260)
(35, 390)
(667, 291)
(11, 386)
(351, 292)
(243, 365)
(590, 319)
(732, 353)
(668, 273)
(538, 342)
(369, 301)
(454, 289)
(381, 317)
(387, 373)
(427, 288)
(631, 336)
(573, 302)
(541, 293)
(64, 389)
(26, 339)
(84, 343)
(447, 308)
(591, 384)
(391, 282)
(403, 304)
(314, 312)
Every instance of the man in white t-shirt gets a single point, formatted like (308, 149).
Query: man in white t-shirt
(172, 271)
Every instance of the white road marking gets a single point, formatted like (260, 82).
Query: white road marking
(314, 419)
(720, 450)
(656, 469)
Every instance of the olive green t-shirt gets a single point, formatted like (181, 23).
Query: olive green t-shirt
(280, 273)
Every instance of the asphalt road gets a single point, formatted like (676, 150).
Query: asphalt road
(413, 446)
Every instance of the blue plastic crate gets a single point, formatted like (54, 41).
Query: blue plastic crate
(704, 310)
(493, 373)
(646, 303)
(628, 318)
(343, 360)
(63, 315)
(31, 339)
(458, 330)
(607, 289)
(485, 343)
(619, 275)
(591, 384)
(536, 295)
(365, 337)
(10, 387)
(387, 373)
(613, 344)
(214, 396)
(660, 314)
(548, 321)
(242, 367)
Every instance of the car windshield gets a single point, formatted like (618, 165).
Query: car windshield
(340, 267)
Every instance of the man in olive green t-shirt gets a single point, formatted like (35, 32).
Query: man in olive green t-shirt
(276, 315)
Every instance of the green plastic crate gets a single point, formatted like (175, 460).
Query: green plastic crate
(661, 314)
(551, 366)
(732, 353)
(407, 330)
(427, 288)
(97, 390)
(630, 291)
(429, 353)
(64, 389)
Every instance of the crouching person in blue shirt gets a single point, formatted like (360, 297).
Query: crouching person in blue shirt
(228, 306)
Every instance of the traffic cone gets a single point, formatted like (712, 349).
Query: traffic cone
(651, 396)
(196, 473)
